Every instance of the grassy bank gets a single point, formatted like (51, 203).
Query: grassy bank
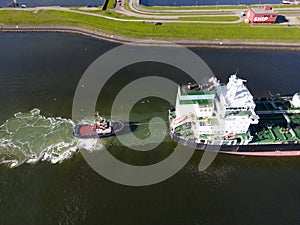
(213, 7)
(200, 13)
(167, 31)
(211, 18)
(111, 13)
(111, 4)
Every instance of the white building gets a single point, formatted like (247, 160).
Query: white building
(217, 109)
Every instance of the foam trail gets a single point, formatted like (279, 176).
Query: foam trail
(90, 145)
(30, 137)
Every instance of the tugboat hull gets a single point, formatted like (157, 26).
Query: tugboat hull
(87, 131)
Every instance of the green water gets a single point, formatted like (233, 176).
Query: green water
(29, 137)
(42, 71)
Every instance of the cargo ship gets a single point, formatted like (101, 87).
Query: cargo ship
(226, 118)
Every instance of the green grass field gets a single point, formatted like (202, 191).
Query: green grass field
(193, 7)
(290, 12)
(213, 7)
(111, 4)
(212, 12)
(211, 18)
(167, 31)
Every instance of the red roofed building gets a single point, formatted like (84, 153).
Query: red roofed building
(258, 15)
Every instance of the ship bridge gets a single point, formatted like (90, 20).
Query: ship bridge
(197, 99)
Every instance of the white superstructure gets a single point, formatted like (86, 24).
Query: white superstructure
(216, 110)
(296, 100)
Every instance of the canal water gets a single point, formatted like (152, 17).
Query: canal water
(41, 71)
(54, 2)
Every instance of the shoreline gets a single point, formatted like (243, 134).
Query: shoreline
(191, 43)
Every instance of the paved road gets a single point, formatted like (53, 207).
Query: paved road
(140, 11)
(143, 17)
(58, 8)
(135, 6)
(147, 18)
(136, 12)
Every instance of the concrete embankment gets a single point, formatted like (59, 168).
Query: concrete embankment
(216, 43)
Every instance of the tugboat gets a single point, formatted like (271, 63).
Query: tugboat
(99, 129)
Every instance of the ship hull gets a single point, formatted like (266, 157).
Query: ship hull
(283, 149)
